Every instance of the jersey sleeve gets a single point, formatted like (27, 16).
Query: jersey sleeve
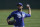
(27, 15)
(11, 15)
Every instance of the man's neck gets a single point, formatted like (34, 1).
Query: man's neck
(20, 10)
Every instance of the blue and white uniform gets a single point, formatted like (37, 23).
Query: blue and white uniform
(19, 17)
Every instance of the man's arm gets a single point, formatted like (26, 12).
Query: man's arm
(11, 15)
(8, 19)
(29, 11)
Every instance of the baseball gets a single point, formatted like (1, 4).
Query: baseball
(28, 5)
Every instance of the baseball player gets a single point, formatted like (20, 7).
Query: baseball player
(19, 16)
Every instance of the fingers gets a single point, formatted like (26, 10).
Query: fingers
(28, 5)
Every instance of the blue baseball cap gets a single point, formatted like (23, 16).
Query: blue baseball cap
(20, 4)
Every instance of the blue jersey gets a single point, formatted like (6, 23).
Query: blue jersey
(19, 17)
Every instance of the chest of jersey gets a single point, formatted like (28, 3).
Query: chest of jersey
(19, 15)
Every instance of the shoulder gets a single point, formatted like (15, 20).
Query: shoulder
(13, 12)
(24, 12)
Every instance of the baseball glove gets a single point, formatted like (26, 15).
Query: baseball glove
(11, 22)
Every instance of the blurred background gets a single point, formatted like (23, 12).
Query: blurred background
(11, 4)
(8, 6)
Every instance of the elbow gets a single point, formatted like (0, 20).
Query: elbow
(8, 18)
(29, 15)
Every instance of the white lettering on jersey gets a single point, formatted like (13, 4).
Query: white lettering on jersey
(23, 15)
(19, 15)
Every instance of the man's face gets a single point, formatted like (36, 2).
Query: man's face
(20, 7)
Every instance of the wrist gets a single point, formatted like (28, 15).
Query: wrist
(29, 8)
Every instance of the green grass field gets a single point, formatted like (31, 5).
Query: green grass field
(33, 21)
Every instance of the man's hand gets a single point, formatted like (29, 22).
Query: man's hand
(28, 5)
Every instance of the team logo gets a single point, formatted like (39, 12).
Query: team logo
(23, 15)
(19, 15)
